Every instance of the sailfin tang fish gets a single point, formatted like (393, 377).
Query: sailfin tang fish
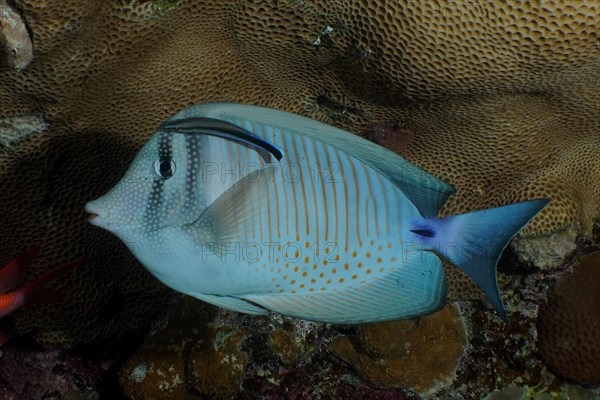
(33, 293)
(256, 210)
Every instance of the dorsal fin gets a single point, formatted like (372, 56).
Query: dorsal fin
(424, 190)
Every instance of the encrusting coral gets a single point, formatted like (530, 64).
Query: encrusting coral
(569, 324)
(290, 348)
(158, 369)
(421, 354)
(217, 365)
(206, 354)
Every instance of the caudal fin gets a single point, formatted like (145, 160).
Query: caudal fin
(475, 241)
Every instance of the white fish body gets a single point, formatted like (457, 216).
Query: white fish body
(338, 230)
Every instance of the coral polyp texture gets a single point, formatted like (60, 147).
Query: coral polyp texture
(569, 324)
(500, 99)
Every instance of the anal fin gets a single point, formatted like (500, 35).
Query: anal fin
(414, 288)
(231, 303)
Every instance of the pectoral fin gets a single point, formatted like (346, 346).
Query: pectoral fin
(228, 218)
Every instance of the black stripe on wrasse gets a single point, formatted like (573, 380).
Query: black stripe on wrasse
(424, 232)
(226, 130)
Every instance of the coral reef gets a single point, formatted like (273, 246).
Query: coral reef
(501, 99)
(302, 359)
(202, 354)
(104, 302)
(546, 251)
(290, 348)
(217, 365)
(27, 373)
(158, 367)
(321, 380)
(421, 354)
(506, 355)
(567, 392)
(500, 354)
(569, 324)
(503, 113)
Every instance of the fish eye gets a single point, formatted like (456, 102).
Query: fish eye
(164, 167)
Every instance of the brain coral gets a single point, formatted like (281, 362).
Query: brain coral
(501, 97)
(569, 324)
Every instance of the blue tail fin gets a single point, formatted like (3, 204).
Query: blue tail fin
(475, 241)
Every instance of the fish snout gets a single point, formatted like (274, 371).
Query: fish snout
(95, 214)
(103, 214)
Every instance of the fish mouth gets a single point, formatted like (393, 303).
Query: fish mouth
(93, 217)
(102, 218)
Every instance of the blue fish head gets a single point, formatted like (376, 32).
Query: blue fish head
(157, 191)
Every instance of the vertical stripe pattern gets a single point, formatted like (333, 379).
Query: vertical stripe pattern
(324, 221)
(321, 193)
